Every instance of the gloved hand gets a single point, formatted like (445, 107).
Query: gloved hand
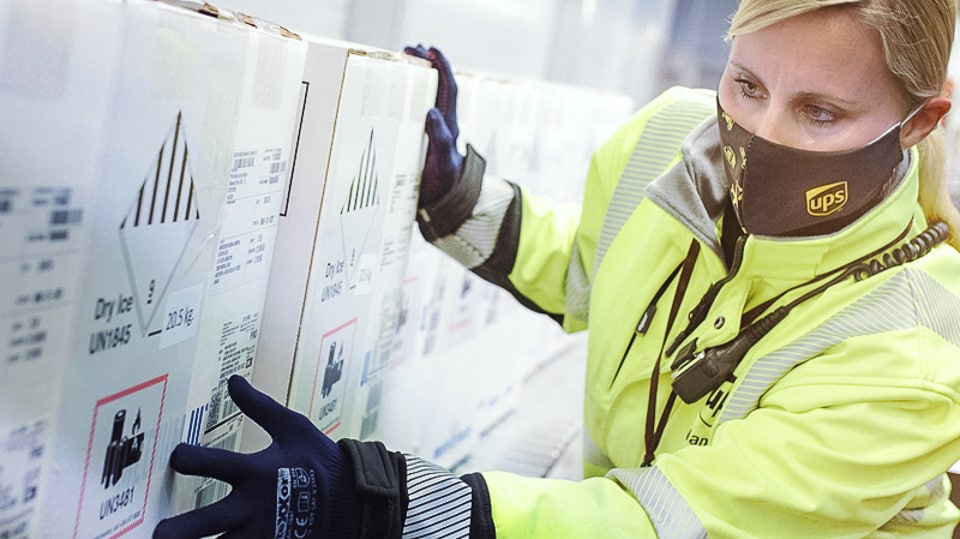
(300, 486)
(444, 163)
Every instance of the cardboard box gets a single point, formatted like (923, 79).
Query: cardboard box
(335, 297)
(136, 196)
(476, 348)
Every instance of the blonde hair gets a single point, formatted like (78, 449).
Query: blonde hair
(917, 36)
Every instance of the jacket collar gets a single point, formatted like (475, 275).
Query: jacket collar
(695, 191)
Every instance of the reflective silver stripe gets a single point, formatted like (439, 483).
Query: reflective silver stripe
(593, 455)
(939, 307)
(915, 514)
(659, 144)
(907, 299)
(474, 242)
(440, 503)
(577, 293)
(668, 511)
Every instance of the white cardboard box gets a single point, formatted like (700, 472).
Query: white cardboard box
(335, 297)
(135, 202)
(476, 347)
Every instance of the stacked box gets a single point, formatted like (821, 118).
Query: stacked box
(138, 197)
(335, 301)
(476, 347)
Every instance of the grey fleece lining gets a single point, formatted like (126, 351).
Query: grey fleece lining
(695, 189)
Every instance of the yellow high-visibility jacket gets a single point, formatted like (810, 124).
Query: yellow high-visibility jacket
(839, 422)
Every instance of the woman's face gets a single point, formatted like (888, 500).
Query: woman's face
(816, 81)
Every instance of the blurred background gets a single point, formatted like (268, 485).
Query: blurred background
(631, 47)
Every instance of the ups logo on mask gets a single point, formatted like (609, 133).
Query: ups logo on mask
(827, 199)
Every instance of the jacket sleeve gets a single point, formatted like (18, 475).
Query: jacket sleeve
(853, 443)
(846, 470)
(479, 221)
(540, 250)
(839, 466)
(774, 474)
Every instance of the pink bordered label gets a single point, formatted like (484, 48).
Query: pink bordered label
(118, 467)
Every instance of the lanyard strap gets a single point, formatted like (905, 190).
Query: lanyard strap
(654, 430)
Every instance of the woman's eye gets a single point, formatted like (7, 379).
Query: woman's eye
(748, 89)
(819, 115)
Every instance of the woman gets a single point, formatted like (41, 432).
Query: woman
(774, 317)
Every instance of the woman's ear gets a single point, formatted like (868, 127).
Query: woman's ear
(924, 121)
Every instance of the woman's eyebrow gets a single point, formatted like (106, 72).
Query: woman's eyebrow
(806, 94)
(845, 103)
(742, 67)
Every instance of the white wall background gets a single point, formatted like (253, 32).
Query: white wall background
(615, 45)
(325, 17)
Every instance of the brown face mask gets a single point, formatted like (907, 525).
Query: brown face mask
(782, 191)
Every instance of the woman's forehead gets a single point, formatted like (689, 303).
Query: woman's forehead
(830, 52)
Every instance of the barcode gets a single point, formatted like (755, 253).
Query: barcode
(213, 416)
(243, 162)
(369, 424)
(228, 442)
(211, 493)
(217, 489)
(229, 408)
(244, 159)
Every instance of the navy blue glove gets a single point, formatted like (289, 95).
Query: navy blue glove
(301, 486)
(444, 163)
